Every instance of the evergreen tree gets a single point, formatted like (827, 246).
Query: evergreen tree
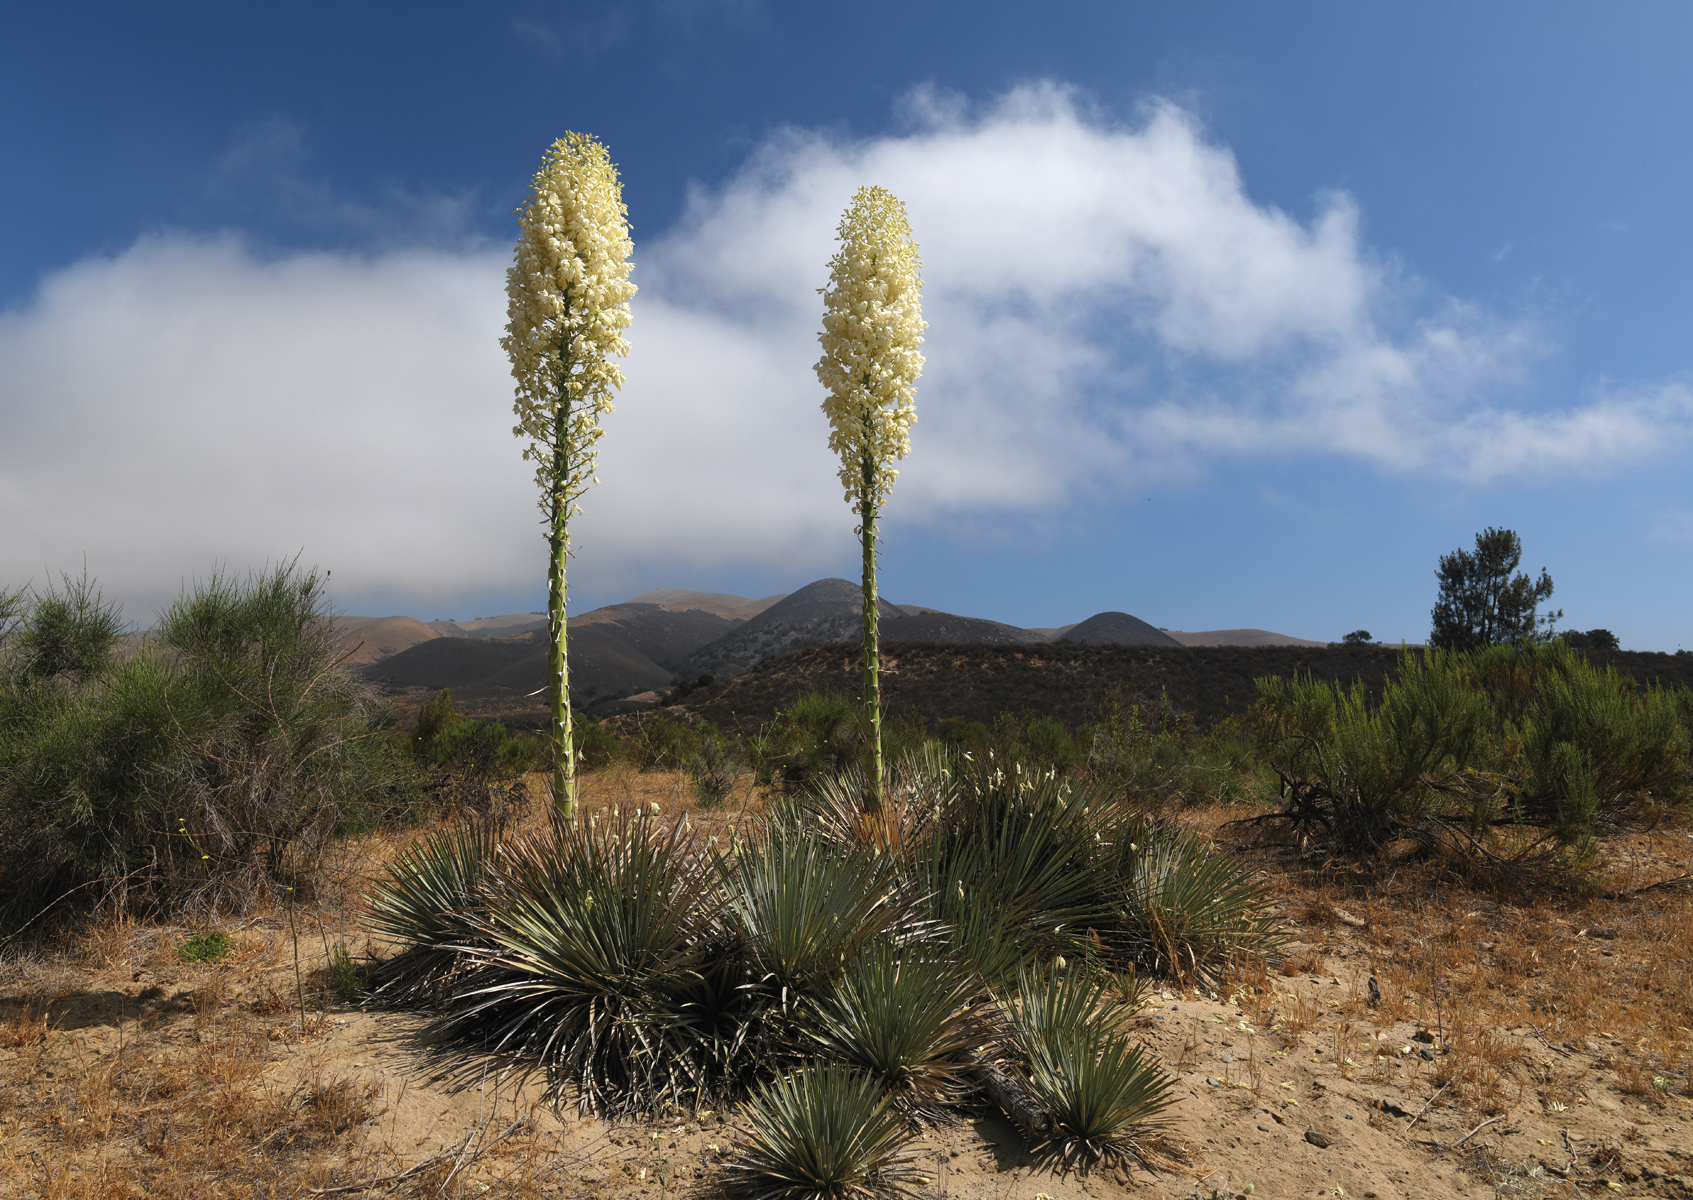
(1481, 603)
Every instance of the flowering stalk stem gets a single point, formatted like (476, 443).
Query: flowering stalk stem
(872, 645)
(558, 668)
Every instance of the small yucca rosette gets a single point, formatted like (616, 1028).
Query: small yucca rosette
(567, 304)
(872, 328)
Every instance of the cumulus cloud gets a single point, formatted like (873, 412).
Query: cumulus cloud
(1107, 305)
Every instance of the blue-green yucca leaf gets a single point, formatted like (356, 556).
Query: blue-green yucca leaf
(591, 941)
(1186, 907)
(825, 1132)
(906, 1019)
(1011, 866)
(919, 786)
(427, 905)
(803, 907)
(1082, 1067)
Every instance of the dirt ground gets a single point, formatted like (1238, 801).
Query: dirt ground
(1507, 1051)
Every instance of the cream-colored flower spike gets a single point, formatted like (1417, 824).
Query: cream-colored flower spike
(567, 305)
(872, 328)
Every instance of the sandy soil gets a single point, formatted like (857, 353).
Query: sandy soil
(1349, 1107)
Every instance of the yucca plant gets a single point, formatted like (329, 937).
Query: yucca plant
(1011, 867)
(426, 905)
(1185, 906)
(803, 908)
(906, 1020)
(592, 938)
(919, 786)
(1101, 1093)
(825, 1132)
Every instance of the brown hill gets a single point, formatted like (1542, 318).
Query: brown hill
(372, 639)
(1238, 637)
(828, 610)
(614, 651)
(736, 608)
(1118, 629)
(926, 625)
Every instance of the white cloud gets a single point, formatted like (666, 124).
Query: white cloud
(1107, 305)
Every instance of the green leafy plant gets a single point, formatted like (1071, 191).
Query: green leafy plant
(1010, 865)
(344, 973)
(206, 948)
(824, 1132)
(194, 774)
(803, 908)
(1462, 749)
(713, 769)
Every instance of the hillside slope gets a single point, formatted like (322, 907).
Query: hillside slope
(829, 610)
(371, 639)
(1117, 629)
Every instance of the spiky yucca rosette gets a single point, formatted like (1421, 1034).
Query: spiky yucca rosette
(872, 328)
(567, 304)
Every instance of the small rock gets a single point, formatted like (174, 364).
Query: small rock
(1317, 1139)
(1265, 1129)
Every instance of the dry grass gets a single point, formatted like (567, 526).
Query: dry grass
(1525, 998)
(125, 1072)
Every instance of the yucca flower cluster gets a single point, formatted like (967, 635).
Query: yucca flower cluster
(567, 305)
(872, 328)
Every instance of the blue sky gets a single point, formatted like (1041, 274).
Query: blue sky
(1240, 314)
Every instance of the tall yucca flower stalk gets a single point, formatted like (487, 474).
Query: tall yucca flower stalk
(872, 327)
(567, 304)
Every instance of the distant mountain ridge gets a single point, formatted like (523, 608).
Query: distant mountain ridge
(645, 644)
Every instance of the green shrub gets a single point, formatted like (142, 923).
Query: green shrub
(803, 908)
(818, 735)
(1185, 907)
(660, 743)
(904, 1019)
(596, 746)
(344, 973)
(427, 906)
(1010, 865)
(712, 767)
(205, 948)
(202, 771)
(1536, 742)
(588, 934)
(440, 737)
